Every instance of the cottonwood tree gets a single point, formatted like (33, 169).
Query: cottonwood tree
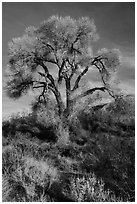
(65, 44)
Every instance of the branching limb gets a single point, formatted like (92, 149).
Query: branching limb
(79, 78)
(56, 61)
(49, 76)
(45, 87)
(73, 69)
(60, 77)
(77, 38)
(96, 59)
(42, 94)
(110, 92)
(41, 74)
(52, 87)
(37, 87)
(88, 92)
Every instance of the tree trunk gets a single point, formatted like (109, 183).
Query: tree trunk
(59, 103)
(68, 102)
(68, 95)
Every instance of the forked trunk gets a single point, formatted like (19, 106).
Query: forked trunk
(60, 104)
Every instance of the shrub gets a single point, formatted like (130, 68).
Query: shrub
(25, 177)
(6, 189)
(30, 125)
(90, 189)
(48, 118)
(112, 159)
(11, 159)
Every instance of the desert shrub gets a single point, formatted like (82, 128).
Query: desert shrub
(90, 189)
(11, 159)
(26, 178)
(5, 141)
(112, 159)
(46, 113)
(17, 122)
(12, 154)
(68, 164)
(29, 124)
(117, 117)
(80, 109)
(108, 135)
(6, 189)
(40, 172)
(43, 122)
(38, 175)
(48, 117)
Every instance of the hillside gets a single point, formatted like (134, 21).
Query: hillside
(91, 159)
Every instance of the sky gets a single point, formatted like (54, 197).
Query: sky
(115, 22)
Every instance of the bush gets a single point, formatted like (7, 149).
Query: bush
(30, 125)
(26, 179)
(89, 189)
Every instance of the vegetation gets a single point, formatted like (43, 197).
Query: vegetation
(65, 45)
(72, 150)
(96, 164)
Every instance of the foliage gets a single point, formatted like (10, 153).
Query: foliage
(24, 176)
(61, 43)
(30, 179)
(31, 125)
(89, 189)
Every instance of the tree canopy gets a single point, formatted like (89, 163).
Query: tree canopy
(65, 43)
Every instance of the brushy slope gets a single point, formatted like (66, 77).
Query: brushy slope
(92, 160)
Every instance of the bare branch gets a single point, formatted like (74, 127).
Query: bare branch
(36, 87)
(56, 61)
(88, 92)
(48, 45)
(41, 74)
(60, 77)
(50, 87)
(110, 92)
(42, 94)
(49, 76)
(73, 69)
(96, 59)
(77, 38)
(79, 78)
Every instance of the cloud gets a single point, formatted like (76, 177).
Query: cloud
(128, 61)
(128, 87)
(10, 106)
